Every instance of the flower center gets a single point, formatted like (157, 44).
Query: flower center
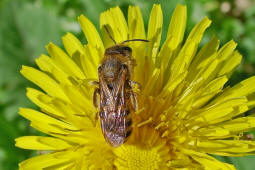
(150, 152)
(133, 157)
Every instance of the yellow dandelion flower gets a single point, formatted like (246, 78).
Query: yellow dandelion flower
(185, 112)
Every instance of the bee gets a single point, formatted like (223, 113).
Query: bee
(115, 94)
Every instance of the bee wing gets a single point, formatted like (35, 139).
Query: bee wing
(114, 129)
(105, 95)
(119, 89)
(114, 123)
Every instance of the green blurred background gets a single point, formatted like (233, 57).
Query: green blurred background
(26, 26)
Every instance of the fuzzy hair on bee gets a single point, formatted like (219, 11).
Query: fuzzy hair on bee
(115, 96)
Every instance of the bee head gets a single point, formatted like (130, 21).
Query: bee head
(119, 50)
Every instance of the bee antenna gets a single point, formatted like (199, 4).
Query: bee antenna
(109, 34)
(135, 40)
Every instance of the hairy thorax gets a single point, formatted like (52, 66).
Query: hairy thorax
(111, 68)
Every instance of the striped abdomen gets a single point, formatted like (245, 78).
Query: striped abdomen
(116, 126)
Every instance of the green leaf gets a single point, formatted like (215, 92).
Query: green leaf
(25, 30)
(241, 163)
(24, 34)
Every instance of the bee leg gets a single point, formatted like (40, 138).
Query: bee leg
(132, 95)
(119, 85)
(133, 100)
(96, 102)
(93, 83)
(96, 118)
(132, 84)
(96, 98)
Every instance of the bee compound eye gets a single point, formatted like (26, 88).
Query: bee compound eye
(102, 114)
(124, 66)
(129, 123)
(127, 112)
(99, 69)
(128, 133)
(127, 49)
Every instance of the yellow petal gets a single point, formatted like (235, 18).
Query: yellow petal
(42, 80)
(89, 62)
(91, 34)
(154, 31)
(115, 21)
(212, 132)
(136, 31)
(197, 32)
(226, 146)
(46, 123)
(228, 129)
(218, 58)
(44, 101)
(194, 90)
(208, 162)
(46, 64)
(93, 51)
(209, 91)
(223, 55)
(226, 50)
(178, 24)
(230, 64)
(46, 161)
(72, 44)
(221, 111)
(135, 23)
(152, 83)
(174, 36)
(251, 102)
(182, 62)
(41, 143)
(206, 53)
(244, 88)
(208, 73)
(171, 86)
(78, 97)
(243, 124)
(215, 85)
(63, 61)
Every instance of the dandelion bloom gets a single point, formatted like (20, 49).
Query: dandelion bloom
(185, 111)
